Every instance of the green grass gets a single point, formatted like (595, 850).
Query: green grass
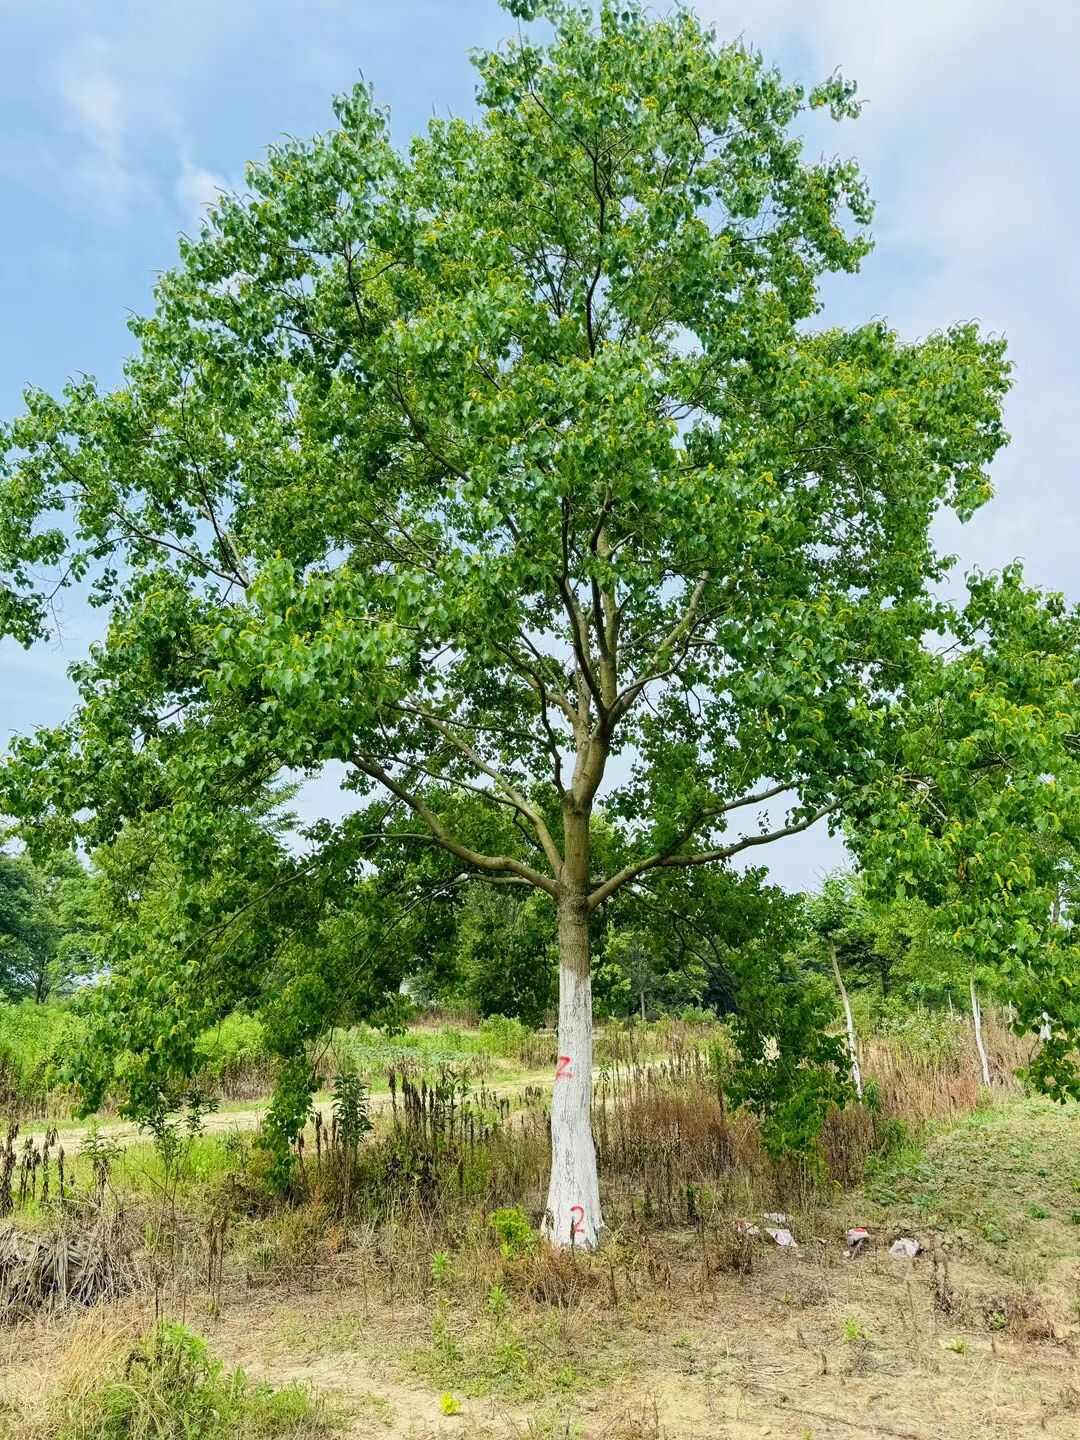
(170, 1387)
(516, 1359)
(1009, 1175)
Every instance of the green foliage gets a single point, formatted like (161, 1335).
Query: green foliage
(504, 1036)
(350, 1107)
(171, 1386)
(972, 828)
(506, 954)
(36, 1043)
(48, 927)
(236, 1041)
(788, 1068)
(514, 1232)
(472, 470)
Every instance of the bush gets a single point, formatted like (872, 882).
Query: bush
(233, 1058)
(503, 1037)
(35, 1041)
(513, 1231)
(170, 1385)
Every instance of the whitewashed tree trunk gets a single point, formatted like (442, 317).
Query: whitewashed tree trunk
(573, 1204)
(976, 1019)
(853, 1047)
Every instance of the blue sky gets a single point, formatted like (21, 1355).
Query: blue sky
(120, 118)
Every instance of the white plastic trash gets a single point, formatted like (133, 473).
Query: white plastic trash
(905, 1248)
(783, 1237)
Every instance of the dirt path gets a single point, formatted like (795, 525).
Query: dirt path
(248, 1117)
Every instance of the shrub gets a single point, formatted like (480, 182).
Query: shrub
(170, 1385)
(35, 1041)
(515, 1234)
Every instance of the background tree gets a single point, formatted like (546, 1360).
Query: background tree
(506, 954)
(18, 920)
(187, 944)
(834, 916)
(47, 927)
(975, 823)
(510, 468)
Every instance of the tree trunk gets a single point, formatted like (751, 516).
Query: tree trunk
(643, 1007)
(573, 1204)
(853, 1048)
(976, 1017)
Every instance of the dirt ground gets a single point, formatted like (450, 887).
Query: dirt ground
(807, 1346)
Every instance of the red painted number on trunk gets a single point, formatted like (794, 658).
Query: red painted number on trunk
(562, 1070)
(577, 1227)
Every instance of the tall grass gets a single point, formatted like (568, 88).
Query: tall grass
(165, 1385)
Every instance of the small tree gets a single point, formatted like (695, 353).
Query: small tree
(981, 816)
(832, 915)
(510, 467)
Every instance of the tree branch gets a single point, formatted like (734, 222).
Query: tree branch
(513, 795)
(479, 861)
(681, 630)
(668, 859)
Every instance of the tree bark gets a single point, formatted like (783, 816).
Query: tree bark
(573, 1205)
(976, 1018)
(853, 1048)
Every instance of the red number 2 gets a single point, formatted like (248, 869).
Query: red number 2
(577, 1227)
(562, 1070)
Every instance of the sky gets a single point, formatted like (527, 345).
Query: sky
(121, 119)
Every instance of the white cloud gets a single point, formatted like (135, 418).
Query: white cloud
(97, 113)
(196, 188)
(94, 97)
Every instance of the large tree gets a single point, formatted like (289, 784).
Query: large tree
(510, 465)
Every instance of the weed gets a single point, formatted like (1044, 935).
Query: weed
(514, 1233)
(169, 1385)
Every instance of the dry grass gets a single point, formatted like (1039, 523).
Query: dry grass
(657, 1340)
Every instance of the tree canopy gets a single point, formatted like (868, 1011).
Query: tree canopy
(47, 927)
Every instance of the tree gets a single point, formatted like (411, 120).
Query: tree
(17, 920)
(509, 467)
(831, 915)
(504, 954)
(46, 927)
(190, 939)
(974, 825)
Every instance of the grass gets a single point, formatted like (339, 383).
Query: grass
(410, 1276)
(168, 1385)
(1006, 1175)
(660, 1334)
(519, 1358)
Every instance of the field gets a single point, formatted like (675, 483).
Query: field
(399, 1289)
